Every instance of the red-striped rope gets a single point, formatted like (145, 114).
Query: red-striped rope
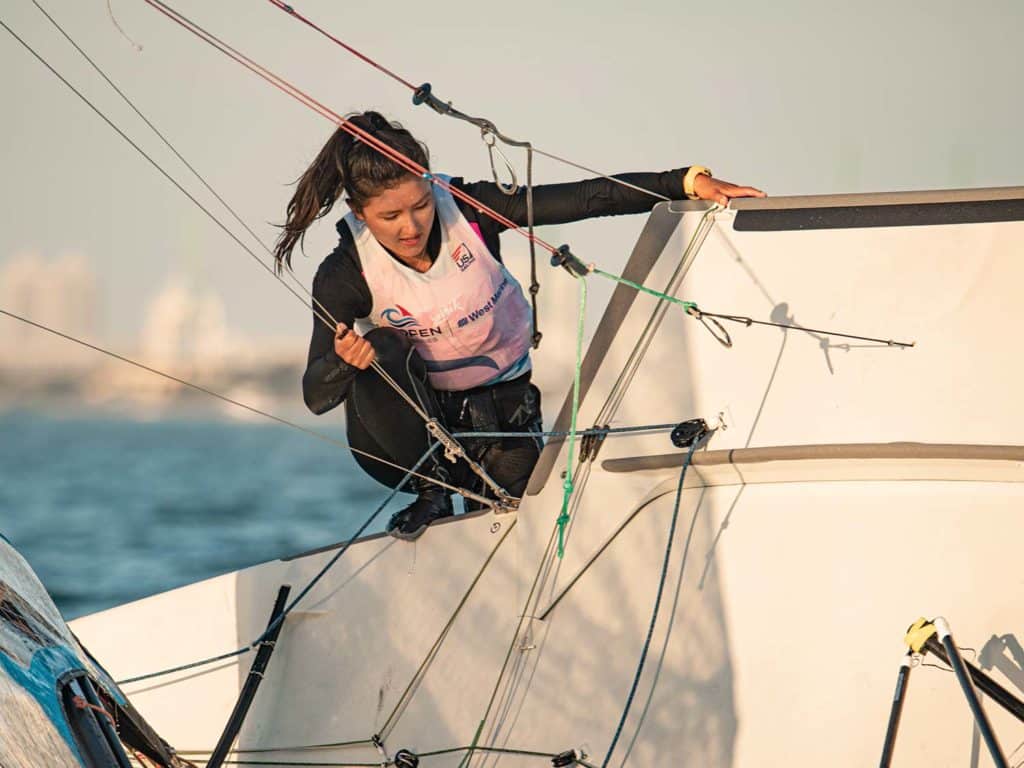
(290, 10)
(346, 125)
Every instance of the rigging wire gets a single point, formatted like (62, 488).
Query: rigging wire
(410, 690)
(305, 590)
(144, 154)
(327, 317)
(422, 94)
(572, 432)
(453, 449)
(346, 125)
(291, 10)
(581, 761)
(562, 256)
(657, 604)
(167, 142)
(534, 282)
(231, 401)
(567, 483)
(577, 268)
(450, 111)
(195, 172)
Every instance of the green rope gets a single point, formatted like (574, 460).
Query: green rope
(469, 750)
(686, 305)
(567, 486)
(690, 307)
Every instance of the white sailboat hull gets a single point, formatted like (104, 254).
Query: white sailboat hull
(855, 487)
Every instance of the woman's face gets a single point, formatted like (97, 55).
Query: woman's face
(401, 217)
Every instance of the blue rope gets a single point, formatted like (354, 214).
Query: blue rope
(657, 606)
(579, 432)
(305, 591)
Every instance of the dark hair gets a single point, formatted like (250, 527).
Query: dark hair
(346, 164)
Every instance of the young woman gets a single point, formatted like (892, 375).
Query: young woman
(417, 284)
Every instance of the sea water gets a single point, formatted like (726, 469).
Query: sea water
(108, 511)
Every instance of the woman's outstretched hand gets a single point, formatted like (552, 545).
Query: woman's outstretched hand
(717, 191)
(353, 348)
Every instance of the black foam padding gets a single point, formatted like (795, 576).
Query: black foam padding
(897, 215)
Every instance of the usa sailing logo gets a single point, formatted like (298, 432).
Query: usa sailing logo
(399, 317)
(463, 257)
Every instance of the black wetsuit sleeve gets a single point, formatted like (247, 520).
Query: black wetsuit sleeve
(339, 286)
(573, 201)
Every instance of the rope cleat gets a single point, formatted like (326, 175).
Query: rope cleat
(563, 257)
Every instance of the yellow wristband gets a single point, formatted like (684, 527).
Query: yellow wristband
(691, 176)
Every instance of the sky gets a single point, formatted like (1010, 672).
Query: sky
(793, 96)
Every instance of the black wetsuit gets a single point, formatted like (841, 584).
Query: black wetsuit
(379, 422)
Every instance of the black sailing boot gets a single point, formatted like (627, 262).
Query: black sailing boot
(432, 503)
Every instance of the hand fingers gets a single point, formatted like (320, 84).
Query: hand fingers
(362, 353)
(353, 348)
(746, 192)
(349, 346)
(730, 190)
(344, 342)
(365, 357)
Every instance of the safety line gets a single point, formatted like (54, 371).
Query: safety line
(290, 10)
(657, 605)
(305, 591)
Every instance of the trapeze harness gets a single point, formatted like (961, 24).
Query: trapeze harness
(466, 316)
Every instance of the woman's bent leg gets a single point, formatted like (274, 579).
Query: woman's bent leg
(381, 423)
(512, 406)
(379, 420)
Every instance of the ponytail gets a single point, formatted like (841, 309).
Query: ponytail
(346, 164)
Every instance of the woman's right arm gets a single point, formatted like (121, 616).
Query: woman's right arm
(341, 290)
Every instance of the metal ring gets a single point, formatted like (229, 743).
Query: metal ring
(490, 140)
